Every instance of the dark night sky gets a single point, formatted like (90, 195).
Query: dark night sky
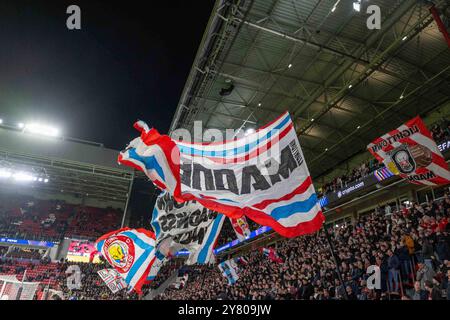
(129, 61)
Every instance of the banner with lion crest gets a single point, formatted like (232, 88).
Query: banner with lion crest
(410, 152)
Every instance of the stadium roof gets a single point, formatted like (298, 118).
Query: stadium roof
(84, 169)
(343, 84)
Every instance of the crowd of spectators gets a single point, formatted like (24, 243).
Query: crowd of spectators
(410, 246)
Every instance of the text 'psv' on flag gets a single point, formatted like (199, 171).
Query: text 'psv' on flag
(263, 175)
(131, 252)
(410, 152)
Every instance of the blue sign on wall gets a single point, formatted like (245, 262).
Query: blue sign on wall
(27, 242)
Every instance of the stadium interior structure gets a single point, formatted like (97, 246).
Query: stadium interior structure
(344, 86)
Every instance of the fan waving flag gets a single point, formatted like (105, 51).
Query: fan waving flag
(410, 152)
(230, 271)
(186, 225)
(157, 156)
(263, 175)
(131, 252)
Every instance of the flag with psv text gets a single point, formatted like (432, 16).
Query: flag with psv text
(410, 152)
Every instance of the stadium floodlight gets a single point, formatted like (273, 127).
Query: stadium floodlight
(45, 180)
(21, 125)
(40, 129)
(259, 104)
(22, 176)
(1, 121)
(290, 65)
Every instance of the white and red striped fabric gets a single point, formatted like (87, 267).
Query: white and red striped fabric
(410, 152)
(263, 175)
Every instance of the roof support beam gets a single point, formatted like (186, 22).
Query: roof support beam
(336, 74)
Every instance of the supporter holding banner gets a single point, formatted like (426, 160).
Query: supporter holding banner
(230, 271)
(410, 152)
(240, 227)
(263, 175)
(186, 225)
(131, 252)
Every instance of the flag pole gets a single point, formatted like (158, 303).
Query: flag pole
(338, 271)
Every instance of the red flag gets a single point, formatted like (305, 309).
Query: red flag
(410, 152)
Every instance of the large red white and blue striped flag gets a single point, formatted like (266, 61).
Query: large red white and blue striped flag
(241, 228)
(263, 175)
(410, 152)
(131, 252)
